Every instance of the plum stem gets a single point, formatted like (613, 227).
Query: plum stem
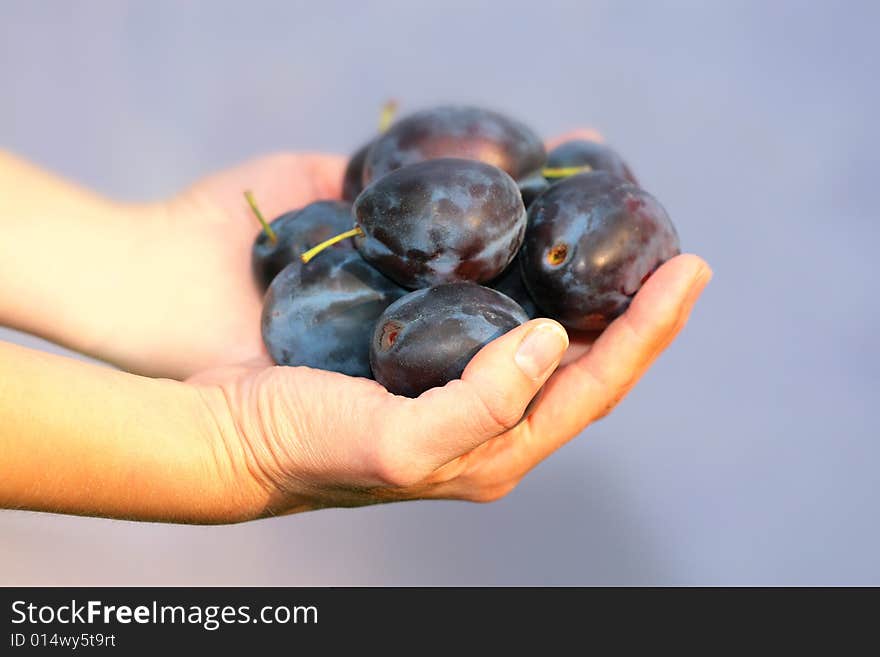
(249, 195)
(386, 116)
(315, 250)
(564, 172)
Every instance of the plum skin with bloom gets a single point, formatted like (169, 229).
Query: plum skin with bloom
(596, 155)
(426, 338)
(456, 131)
(353, 176)
(321, 314)
(441, 221)
(592, 241)
(297, 232)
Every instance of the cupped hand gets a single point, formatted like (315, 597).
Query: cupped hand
(294, 439)
(208, 232)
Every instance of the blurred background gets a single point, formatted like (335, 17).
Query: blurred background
(749, 455)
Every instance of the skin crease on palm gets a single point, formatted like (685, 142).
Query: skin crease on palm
(304, 439)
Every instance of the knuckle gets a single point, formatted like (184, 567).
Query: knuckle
(499, 413)
(397, 475)
(392, 466)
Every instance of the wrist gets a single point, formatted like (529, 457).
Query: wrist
(240, 492)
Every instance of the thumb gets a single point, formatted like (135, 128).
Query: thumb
(491, 397)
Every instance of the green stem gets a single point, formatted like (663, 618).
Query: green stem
(564, 172)
(249, 195)
(386, 116)
(315, 250)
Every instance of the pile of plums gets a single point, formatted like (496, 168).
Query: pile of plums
(455, 227)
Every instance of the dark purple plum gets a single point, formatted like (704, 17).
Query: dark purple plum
(297, 232)
(594, 154)
(532, 187)
(426, 338)
(510, 283)
(353, 178)
(441, 221)
(322, 314)
(459, 132)
(592, 241)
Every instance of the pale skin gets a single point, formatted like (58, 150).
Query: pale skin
(197, 426)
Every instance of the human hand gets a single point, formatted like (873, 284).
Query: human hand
(214, 304)
(293, 439)
(240, 441)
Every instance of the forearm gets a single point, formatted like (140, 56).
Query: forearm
(64, 254)
(80, 439)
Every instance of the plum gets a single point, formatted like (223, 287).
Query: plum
(458, 132)
(321, 314)
(532, 187)
(440, 221)
(295, 233)
(353, 178)
(592, 241)
(579, 153)
(426, 338)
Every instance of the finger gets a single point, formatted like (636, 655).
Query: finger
(590, 387)
(296, 179)
(587, 134)
(489, 399)
(327, 172)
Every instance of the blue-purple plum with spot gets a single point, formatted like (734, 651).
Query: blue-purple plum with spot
(427, 338)
(321, 314)
(592, 241)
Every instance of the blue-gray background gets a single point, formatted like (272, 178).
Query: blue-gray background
(748, 455)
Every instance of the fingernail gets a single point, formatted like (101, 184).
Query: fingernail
(541, 349)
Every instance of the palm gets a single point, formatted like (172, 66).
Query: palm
(222, 229)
